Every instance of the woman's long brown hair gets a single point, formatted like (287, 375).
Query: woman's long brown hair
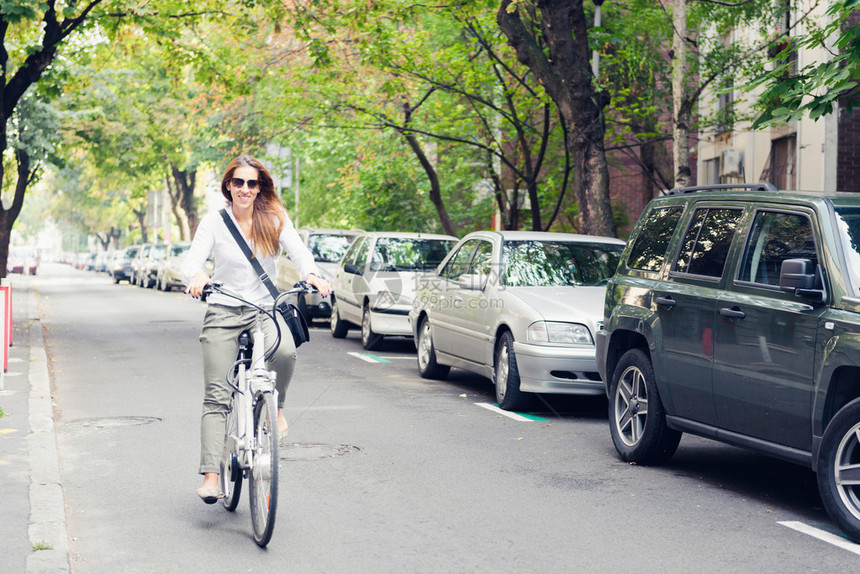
(268, 220)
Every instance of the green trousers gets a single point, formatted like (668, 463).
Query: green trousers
(219, 337)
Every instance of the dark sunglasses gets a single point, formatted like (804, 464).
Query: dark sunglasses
(239, 183)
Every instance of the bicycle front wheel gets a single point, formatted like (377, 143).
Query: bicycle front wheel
(264, 474)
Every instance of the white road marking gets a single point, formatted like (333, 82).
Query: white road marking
(363, 357)
(824, 536)
(508, 414)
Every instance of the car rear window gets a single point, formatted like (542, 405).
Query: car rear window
(649, 249)
(328, 248)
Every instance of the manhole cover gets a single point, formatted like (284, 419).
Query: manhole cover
(315, 451)
(112, 422)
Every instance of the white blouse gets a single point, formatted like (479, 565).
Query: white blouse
(232, 268)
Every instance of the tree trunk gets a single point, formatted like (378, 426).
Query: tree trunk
(567, 78)
(178, 213)
(432, 176)
(185, 182)
(8, 216)
(141, 220)
(681, 112)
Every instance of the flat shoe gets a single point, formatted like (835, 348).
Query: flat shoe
(208, 495)
(282, 437)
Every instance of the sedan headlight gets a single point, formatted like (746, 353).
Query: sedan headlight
(550, 332)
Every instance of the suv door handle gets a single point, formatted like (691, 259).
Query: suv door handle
(732, 313)
(666, 301)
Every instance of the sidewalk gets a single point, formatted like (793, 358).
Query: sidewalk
(33, 535)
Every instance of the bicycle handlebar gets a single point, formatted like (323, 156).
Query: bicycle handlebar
(218, 287)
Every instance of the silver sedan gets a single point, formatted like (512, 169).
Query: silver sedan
(518, 307)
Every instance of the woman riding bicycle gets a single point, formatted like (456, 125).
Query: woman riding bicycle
(256, 210)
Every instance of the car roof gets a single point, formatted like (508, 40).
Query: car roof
(509, 235)
(332, 231)
(777, 195)
(407, 235)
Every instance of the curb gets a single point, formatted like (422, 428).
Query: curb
(47, 502)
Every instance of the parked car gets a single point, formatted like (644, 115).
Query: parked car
(169, 270)
(23, 259)
(375, 282)
(518, 307)
(137, 262)
(122, 264)
(735, 315)
(328, 247)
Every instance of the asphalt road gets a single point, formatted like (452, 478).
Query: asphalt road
(387, 472)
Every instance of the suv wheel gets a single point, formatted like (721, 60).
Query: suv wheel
(838, 471)
(427, 365)
(637, 420)
(506, 375)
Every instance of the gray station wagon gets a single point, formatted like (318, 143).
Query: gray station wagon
(735, 315)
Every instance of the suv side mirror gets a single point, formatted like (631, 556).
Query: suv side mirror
(352, 268)
(798, 276)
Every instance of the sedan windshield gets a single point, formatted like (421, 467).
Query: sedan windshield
(328, 248)
(551, 263)
(400, 254)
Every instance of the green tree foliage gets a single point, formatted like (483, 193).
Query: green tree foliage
(444, 79)
(817, 88)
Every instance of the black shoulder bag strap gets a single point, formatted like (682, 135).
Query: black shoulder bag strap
(243, 245)
(292, 316)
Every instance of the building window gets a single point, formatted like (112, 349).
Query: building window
(711, 171)
(782, 161)
(725, 109)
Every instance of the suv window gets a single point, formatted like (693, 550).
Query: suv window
(707, 241)
(774, 238)
(649, 249)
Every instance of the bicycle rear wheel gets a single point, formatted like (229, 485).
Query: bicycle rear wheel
(231, 475)
(264, 475)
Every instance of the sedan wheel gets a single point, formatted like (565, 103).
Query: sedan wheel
(427, 365)
(507, 376)
(339, 327)
(369, 339)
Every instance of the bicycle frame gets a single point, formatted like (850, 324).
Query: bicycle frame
(251, 382)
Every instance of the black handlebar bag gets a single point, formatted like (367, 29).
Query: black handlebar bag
(293, 318)
(295, 323)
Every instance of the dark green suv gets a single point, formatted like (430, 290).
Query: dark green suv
(735, 315)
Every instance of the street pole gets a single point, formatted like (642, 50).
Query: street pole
(595, 55)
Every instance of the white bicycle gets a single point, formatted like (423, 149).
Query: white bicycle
(251, 430)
